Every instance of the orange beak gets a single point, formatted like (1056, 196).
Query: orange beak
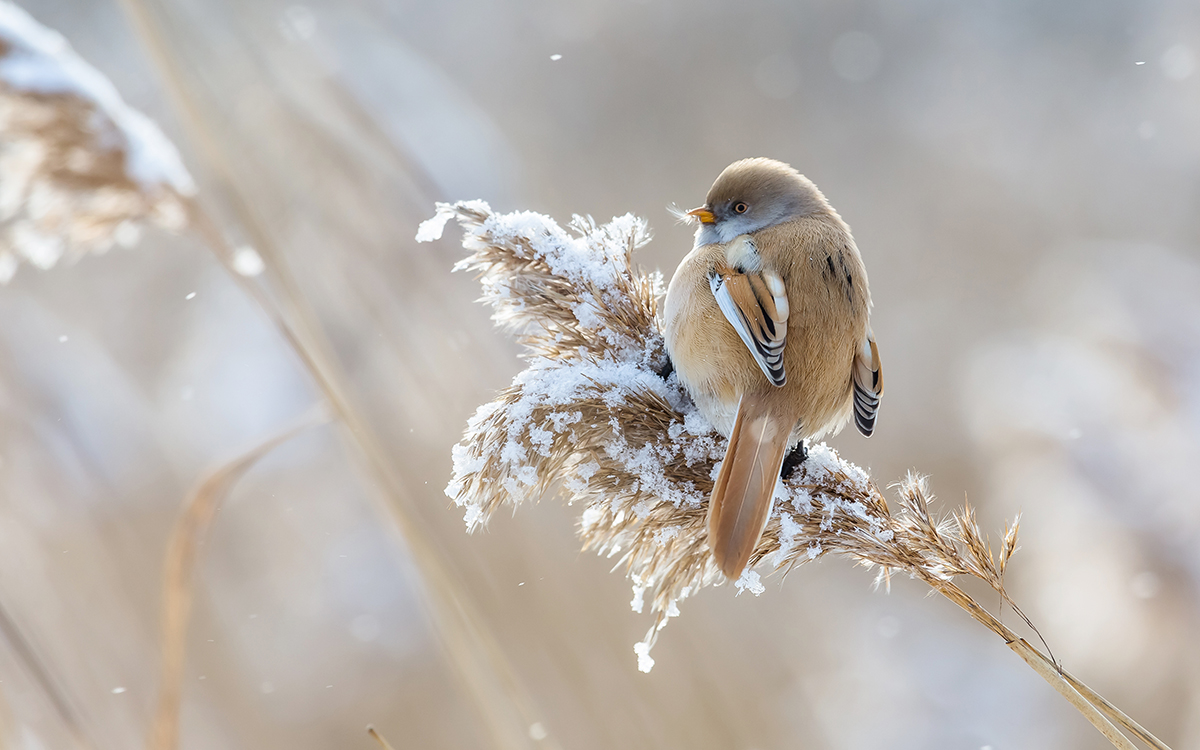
(704, 215)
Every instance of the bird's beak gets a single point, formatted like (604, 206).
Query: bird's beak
(704, 215)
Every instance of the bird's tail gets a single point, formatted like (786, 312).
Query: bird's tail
(741, 499)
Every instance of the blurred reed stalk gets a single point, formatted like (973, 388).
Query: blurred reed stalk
(598, 417)
(61, 701)
(183, 551)
(81, 172)
(506, 708)
(461, 630)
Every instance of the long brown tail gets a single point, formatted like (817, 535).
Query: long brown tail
(741, 499)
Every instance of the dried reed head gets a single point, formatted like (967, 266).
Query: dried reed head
(593, 418)
(79, 170)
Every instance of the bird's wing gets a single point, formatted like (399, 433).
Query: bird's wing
(868, 385)
(756, 304)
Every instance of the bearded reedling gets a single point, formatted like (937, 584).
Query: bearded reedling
(767, 325)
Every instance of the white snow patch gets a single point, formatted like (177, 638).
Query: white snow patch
(750, 581)
(645, 663)
(591, 516)
(639, 593)
(431, 229)
(40, 60)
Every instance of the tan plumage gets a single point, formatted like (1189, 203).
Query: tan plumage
(768, 329)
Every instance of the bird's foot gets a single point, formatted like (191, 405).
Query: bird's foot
(667, 369)
(793, 460)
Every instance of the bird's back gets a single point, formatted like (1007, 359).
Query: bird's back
(828, 298)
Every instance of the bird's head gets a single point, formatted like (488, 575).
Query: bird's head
(754, 194)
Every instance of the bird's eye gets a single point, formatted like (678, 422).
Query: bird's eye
(740, 207)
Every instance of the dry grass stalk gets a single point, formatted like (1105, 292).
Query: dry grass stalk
(183, 551)
(82, 172)
(474, 654)
(593, 417)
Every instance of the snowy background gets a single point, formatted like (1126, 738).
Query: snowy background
(1022, 178)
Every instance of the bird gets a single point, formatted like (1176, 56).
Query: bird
(767, 325)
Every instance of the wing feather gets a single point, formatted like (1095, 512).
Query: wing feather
(756, 305)
(868, 386)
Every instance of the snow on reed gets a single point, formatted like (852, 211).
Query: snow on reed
(594, 419)
(81, 171)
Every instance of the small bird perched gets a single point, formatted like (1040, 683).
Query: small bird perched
(767, 325)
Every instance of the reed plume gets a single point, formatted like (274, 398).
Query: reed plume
(82, 171)
(598, 417)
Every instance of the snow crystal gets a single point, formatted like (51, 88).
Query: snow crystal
(465, 464)
(431, 229)
(591, 516)
(541, 439)
(513, 452)
(789, 529)
(638, 602)
(587, 470)
(560, 420)
(750, 581)
(515, 488)
(247, 261)
(473, 517)
(527, 475)
(40, 60)
(664, 535)
(645, 663)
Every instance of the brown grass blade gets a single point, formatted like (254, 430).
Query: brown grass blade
(183, 551)
(1037, 661)
(1114, 713)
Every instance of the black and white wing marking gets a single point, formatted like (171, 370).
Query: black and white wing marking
(868, 386)
(756, 304)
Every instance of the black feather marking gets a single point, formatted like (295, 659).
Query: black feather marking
(793, 460)
(667, 369)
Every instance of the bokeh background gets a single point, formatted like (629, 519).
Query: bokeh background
(1023, 179)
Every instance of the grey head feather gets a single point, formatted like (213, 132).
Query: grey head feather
(772, 191)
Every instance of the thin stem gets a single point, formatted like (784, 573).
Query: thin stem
(183, 551)
(1115, 713)
(472, 650)
(489, 678)
(1090, 707)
